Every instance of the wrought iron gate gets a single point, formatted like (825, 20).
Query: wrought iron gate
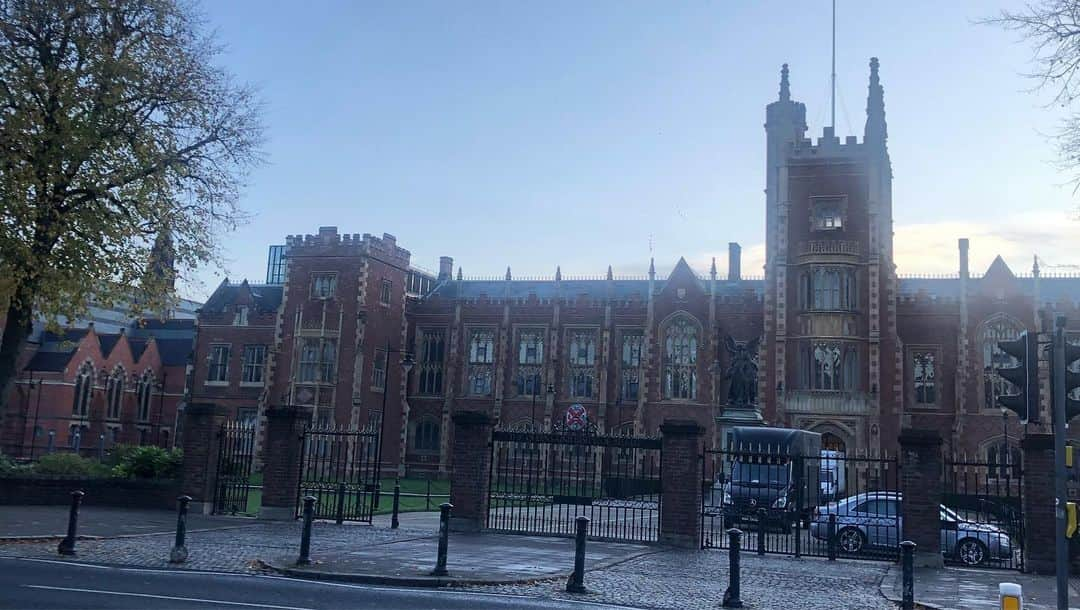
(831, 505)
(541, 481)
(235, 465)
(982, 521)
(340, 468)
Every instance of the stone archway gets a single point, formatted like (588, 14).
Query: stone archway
(832, 442)
(834, 437)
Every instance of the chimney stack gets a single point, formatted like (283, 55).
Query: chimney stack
(734, 262)
(964, 272)
(446, 267)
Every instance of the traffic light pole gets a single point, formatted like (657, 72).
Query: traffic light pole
(1062, 558)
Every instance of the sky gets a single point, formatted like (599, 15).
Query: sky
(588, 134)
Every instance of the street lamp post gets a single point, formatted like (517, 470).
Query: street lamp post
(406, 366)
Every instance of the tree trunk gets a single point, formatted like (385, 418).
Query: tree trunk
(16, 329)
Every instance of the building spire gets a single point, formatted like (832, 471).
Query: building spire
(876, 129)
(558, 273)
(785, 87)
(610, 275)
(508, 276)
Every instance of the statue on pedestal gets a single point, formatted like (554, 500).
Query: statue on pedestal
(742, 371)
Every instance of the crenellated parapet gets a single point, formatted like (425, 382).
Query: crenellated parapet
(328, 242)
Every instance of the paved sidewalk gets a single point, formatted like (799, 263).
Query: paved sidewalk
(972, 589)
(97, 521)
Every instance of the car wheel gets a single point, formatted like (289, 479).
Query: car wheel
(971, 552)
(850, 540)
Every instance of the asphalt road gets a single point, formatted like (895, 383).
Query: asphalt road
(41, 584)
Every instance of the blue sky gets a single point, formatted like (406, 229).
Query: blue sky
(532, 134)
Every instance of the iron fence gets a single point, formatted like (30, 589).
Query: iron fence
(540, 482)
(340, 468)
(236, 462)
(982, 520)
(832, 505)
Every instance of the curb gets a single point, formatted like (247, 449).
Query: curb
(47, 538)
(59, 537)
(429, 582)
(892, 597)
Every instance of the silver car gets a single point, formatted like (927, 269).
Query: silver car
(871, 521)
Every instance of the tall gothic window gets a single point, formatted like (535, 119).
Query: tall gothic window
(114, 393)
(426, 436)
(994, 385)
(924, 368)
(829, 366)
(481, 359)
(318, 360)
(84, 386)
(530, 361)
(680, 360)
(582, 353)
(432, 351)
(146, 388)
(828, 288)
(631, 366)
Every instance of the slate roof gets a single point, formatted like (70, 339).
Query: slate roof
(108, 342)
(266, 297)
(174, 352)
(548, 289)
(49, 361)
(1051, 289)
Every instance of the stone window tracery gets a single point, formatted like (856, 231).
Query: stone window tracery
(84, 384)
(582, 356)
(629, 382)
(680, 360)
(529, 380)
(430, 369)
(114, 393)
(829, 366)
(481, 358)
(924, 369)
(994, 385)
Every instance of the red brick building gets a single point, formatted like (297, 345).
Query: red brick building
(847, 347)
(90, 390)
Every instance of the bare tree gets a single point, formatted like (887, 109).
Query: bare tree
(1052, 29)
(117, 130)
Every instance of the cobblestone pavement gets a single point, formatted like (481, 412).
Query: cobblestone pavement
(238, 549)
(693, 580)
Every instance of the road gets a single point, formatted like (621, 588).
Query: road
(45, 584)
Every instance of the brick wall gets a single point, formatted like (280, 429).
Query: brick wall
(1039, 503)
(281, 471)
(202, 428)
(469, 474)
(922, 486)
(125, 493)
(680, 511)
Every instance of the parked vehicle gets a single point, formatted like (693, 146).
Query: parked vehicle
(767, 478)
(832, 476)
(872, 520)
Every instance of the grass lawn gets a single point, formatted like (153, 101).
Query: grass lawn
(414, 495)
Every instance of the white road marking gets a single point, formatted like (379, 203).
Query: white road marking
(168, 597)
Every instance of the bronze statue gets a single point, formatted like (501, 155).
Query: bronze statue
(742, 372)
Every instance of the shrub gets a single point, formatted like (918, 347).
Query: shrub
(68, 464)
(148, 462)
(7, 465)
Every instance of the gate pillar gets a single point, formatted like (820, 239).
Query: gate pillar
(202, 443)
(283, 451)
(923, 487)
(470, 469)
(680, 483)
(1038, 503)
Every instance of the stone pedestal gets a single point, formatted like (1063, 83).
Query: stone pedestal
(681, 483)
(922, 485)
(281, 468)
(1039, 524)
(202, 443)
(471, 465)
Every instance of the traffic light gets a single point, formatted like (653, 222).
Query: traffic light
(1024, 376)
(1072, 380)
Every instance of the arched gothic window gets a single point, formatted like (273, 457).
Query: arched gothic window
(84, 385)
(829, 366)
(997, 329)
(828, 289)
(146, 389)
(680, 360)
(114, 393)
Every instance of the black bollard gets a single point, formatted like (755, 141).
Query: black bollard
(832, 536)
(577, 579)
(305, 537)
(394, 523)
(732, 596)
(67, 545)
(341, 503)
(907, 567)
(761, 531)
(179, 550)
(444, 538)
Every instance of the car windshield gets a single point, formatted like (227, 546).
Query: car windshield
(772, 475)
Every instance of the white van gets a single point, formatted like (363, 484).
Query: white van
(832, 475)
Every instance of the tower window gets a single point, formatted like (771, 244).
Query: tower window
(827, 214)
